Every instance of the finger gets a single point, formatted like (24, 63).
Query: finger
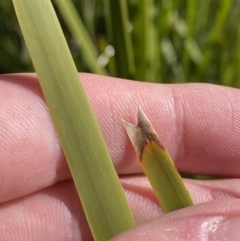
(55, 213)
(199, 125)
(30, 154)
(217, 220)
(146, 207)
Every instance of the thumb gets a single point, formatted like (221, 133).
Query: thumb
(214, 221)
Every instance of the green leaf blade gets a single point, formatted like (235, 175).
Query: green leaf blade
(164, 178)
(157, 165)
(96, 180)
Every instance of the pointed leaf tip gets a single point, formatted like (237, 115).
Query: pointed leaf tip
(147, 128)
(142, 133)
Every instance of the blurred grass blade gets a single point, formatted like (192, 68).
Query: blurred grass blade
(153, 46)
(222, 13)
(80, 34)
(215, 33)
(170, 55)
(88, 13)
(97, 183)
(191, 16)
(141, 52)
(145, 38)
(202, 17)
(191, 6)
(193, 50)
(157, 165)
(108, 21)
(121, 37)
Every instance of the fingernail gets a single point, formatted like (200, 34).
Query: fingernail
(227, 230)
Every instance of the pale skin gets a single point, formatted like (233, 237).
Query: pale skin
(198, 124)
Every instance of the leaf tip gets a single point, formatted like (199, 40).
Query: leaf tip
(135, 135)
(142, 133)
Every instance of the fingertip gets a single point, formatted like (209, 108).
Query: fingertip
(207, 221)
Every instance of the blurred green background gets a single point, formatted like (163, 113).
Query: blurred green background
(166, 41)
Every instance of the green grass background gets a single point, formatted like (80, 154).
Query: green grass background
(167, 41)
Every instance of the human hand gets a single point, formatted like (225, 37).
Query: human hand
(198, 124)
